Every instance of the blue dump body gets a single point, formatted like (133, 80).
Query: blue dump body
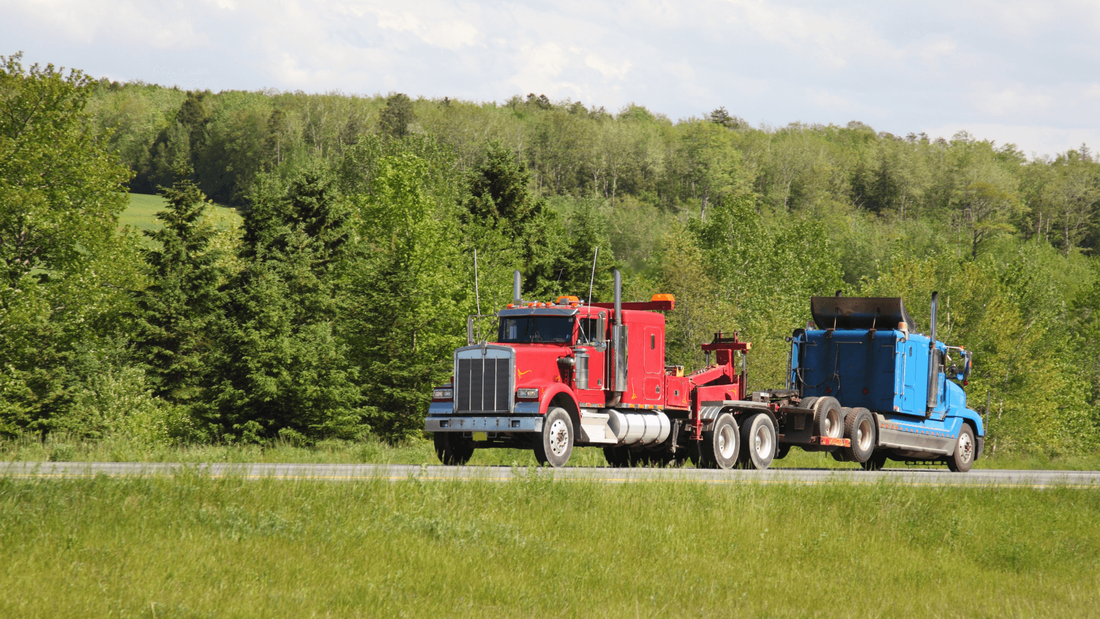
(885, 371)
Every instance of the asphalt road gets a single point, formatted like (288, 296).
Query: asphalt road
(400, 472)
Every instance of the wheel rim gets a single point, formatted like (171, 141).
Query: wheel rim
(863, 435)
(832, 422)
(559, 437)
(762, 442)
(726, 442)
(966, 447)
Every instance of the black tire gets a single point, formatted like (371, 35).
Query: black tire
(782, 451)
(963, 458)
(452, 449)
(555, 444)
(828, 417)
(720, 446)
(641, 458)
(861, 429)
(875, 462)
(758, 442)
(617, 457)
(680, 458)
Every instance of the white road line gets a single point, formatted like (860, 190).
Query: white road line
(402, 472)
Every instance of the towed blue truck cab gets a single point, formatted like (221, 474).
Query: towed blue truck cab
(867, 354)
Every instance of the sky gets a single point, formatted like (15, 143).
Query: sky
(1021, 72)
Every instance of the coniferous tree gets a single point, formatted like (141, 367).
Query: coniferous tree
(396, 116)
(178, 309)
(282, 368)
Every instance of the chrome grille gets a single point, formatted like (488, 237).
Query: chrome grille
(483, 385)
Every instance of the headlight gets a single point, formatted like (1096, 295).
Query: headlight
(527, 394)
(442, 394)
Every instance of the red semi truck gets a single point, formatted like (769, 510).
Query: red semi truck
(566, 373)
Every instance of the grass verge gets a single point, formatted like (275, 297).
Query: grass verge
(61, 448)
(192, 546)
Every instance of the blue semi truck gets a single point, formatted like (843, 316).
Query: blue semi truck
(879, 389)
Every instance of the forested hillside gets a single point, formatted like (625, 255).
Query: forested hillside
(335, 308)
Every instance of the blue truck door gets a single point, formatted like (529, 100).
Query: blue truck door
(913, 368)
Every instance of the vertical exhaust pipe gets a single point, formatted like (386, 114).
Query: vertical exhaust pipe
(618, 298)
(516, 284)
(619, 339)
(933, 361)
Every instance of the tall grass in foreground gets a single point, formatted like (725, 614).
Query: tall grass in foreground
(59, 448)
(193, 546)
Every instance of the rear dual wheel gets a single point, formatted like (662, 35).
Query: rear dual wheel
(758, 442)
(828, 417)
(720, 446)
(860, 428)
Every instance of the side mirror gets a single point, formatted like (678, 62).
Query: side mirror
(966, 364)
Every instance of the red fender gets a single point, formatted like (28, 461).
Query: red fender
(551, 391)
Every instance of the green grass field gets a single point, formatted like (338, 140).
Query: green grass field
(193, 546)
(139, 215)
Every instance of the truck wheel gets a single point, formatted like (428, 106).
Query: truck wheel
(617, 457)
(963, 458)
(719, 447)
(452, 449)
(758, 441)
(555, 445)
(828, 419)
(875, 462)
(640, 458)
(860, 428)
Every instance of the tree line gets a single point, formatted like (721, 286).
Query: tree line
(334, 309)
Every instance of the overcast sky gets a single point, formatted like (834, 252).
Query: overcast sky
(1026, 72)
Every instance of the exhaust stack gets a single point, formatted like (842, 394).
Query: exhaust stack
(618, 298)
(618, 341)
(933, 360)
(516, 285)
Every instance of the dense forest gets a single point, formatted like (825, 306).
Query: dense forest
(335, 307)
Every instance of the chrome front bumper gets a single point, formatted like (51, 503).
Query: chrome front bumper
(483, 424)
(525, 418)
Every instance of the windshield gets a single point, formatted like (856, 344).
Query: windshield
(535, 329)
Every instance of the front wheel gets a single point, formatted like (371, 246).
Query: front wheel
(758, 441)
(452, 449)
(555, 444)
(720, 446)
(963, 458)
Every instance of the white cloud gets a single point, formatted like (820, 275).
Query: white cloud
(1023, 68)
(437, 24)
(609, 70)
(94, 20)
